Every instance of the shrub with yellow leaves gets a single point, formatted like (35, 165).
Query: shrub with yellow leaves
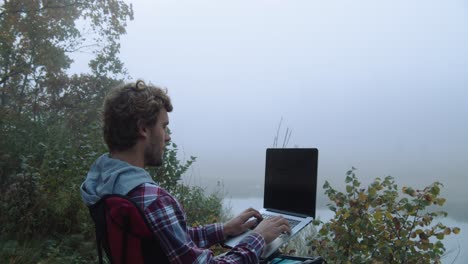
(377, 224)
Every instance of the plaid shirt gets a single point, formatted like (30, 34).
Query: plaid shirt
(184, 244)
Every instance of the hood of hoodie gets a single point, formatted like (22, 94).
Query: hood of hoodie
(111, 176)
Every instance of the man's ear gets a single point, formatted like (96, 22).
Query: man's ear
(143, 131)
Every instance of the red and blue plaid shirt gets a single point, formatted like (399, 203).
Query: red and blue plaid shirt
(183, 244)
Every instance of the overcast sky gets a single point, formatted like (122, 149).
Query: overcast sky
(378, 85)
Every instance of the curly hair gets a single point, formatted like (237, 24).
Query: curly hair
(126, 107)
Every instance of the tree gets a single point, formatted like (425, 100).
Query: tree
(36, 93)
(36, 38)
(376, 225)
(50, 127)
(49, 119)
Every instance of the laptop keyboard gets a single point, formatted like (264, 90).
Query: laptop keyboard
(292, 222)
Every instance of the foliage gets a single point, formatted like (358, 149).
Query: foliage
(169, 174)
(48, 206)
(36, 38)
(45, 183)
(298, 245)
(199, 207)
(48, 119)
(50, 129)
(68, 249)
(376, 225)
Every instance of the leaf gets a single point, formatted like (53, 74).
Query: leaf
(317, 222)
(346, 215)
(440, 201)
(323, 232)
(397, 243)
(439, 244)
(428, 197)
(409, 191)
(348, 179)
(389, 215)
(435, 190)
(349, 189)
(378, 215)
(356, 183)
(362, 197)
(447, 231)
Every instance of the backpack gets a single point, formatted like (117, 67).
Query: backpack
(124, 232)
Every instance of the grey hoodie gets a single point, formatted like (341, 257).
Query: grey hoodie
(111, 176)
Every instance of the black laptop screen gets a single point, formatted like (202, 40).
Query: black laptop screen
(291, 180)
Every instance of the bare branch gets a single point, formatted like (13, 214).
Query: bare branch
(285, 136)
(275, 141)
(289, 136)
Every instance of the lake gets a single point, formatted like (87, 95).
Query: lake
(456, 245)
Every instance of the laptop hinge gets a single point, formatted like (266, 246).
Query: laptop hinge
(287, 213)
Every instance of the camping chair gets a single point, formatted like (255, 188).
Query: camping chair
(124, 233)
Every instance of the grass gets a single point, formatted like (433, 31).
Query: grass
(67, 249)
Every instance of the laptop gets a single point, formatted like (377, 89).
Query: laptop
(290, 191)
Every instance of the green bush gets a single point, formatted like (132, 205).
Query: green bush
(66, 249)
(378, 225)
(200, 207)
(43, 218)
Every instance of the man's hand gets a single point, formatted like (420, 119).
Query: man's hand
(240, 223)
(271, 228)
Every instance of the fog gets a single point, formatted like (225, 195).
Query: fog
(378, 85)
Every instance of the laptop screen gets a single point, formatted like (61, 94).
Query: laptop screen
(291, 180)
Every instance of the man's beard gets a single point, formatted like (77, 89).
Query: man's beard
(152, 157)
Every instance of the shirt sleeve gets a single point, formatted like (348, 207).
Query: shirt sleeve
(184, 245)
(206, 236)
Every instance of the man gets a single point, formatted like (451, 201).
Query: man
(135, 131)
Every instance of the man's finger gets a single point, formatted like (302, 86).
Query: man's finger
(251, 224)
(279, 220)
(258, 215)
(250, 213)
(250, 209)
(284, 228)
